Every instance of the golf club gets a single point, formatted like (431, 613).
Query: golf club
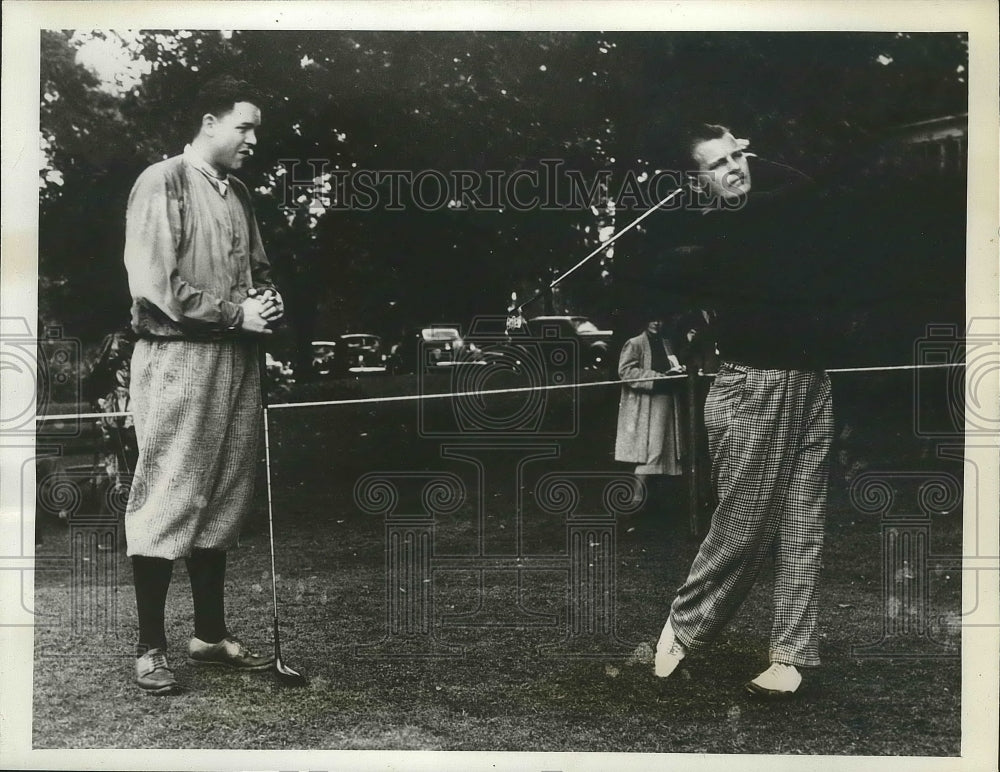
(515, 317)
(286, 675)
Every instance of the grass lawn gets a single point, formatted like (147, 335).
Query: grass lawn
(507, 680)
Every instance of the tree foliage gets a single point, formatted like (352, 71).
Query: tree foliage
(446, 101)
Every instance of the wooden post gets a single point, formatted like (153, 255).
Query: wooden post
(694, 503)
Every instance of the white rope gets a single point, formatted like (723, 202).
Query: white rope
(893, 367)
(517, 390)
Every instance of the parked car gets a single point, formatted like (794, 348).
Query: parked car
(353, 353)
(362, 352)
(435, 345)
(324, 353)
(489, 334)
(593, 341)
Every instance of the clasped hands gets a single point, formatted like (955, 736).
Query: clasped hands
(261, 309)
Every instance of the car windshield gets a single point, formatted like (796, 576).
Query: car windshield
(439, 333)
(585, 325)
(359, 341)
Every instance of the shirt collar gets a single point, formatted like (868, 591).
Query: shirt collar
(220, 182)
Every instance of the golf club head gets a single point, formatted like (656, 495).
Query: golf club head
(287, 676)
(515, 320)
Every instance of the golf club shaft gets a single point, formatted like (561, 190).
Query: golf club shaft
(600, 248)
(262, 357)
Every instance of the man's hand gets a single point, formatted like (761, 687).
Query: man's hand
(274, 306)
(254, 319)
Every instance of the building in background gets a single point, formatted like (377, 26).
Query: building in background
(935, 146)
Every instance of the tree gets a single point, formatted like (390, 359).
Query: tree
(82, 194)
(443, 102)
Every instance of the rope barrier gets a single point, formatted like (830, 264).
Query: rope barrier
(517, 390)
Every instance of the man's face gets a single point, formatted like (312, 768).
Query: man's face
(722, 168)
(654, 326)
(232, 136)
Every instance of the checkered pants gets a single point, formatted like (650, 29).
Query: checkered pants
(769, 435)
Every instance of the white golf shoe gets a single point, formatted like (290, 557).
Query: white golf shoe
(669, 652)
(777, 681)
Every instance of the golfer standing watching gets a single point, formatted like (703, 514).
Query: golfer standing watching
(768, 415)
(202, 300)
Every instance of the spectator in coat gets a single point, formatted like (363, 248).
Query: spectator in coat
(650, 421)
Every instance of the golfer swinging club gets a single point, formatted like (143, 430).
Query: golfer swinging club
(768, 415)
(201, 300)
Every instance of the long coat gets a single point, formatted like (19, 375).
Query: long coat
(650, 422)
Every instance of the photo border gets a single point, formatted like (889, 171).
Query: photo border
(18, 298)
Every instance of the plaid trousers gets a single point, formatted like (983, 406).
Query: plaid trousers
(769, 436)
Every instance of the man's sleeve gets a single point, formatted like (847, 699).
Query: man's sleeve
(152, 234)
(260, 266)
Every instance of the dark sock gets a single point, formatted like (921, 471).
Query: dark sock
(207, 569)
(152, 578)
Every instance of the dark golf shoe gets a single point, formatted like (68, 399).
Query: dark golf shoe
(153, 674)
(229, 652)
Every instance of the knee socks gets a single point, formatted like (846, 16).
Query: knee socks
(152, 578)
(207, 570)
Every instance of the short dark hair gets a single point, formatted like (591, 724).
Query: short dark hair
(218, 96)
(683, 139)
